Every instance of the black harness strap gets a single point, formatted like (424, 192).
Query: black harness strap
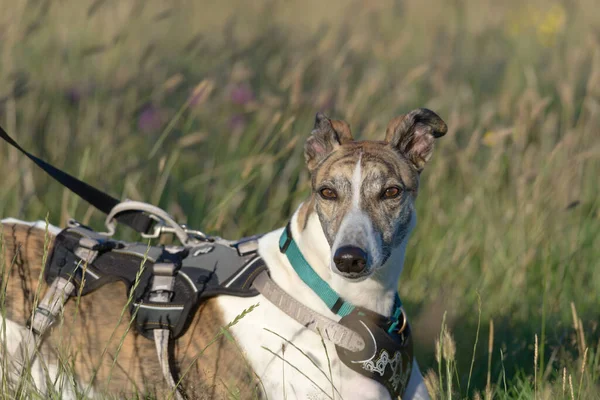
(137, 220)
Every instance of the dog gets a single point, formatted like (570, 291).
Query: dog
(353, 231)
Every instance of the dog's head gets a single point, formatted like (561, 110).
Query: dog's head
(364, 191)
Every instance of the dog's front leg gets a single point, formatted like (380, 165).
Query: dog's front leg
(416, 389)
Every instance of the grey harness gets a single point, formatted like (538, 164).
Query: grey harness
(179, 276)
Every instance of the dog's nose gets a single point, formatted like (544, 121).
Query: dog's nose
(350, 259)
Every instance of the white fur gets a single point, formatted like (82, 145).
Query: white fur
(42, 371)
(356, 229)
(53, 230)
(279, 378)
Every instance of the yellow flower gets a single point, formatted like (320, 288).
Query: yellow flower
(547, 24)
(551, 25)
(493, 138)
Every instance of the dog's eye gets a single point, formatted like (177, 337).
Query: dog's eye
(328, 194)
(391, 192)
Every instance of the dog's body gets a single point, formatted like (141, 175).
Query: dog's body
(352, 231)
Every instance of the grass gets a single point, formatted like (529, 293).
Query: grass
(203, 108)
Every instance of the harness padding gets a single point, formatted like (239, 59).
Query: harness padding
(201, 271)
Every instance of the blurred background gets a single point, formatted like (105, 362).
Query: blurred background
(202, 108)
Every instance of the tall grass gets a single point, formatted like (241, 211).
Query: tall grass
(202, 108)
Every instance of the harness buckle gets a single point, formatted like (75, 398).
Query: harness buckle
(247, 246)
(89, 248)
(50, 305)
(163, 282)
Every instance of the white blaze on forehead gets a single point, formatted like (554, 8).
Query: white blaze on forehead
(356, 228)
(356, 184)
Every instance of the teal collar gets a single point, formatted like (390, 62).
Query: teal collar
(336, 304)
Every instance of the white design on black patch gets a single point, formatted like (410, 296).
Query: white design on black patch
(382, 362)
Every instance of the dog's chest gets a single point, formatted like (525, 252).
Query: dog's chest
(291, 361)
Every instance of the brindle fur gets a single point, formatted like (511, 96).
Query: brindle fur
(93, 324)
(383, 168)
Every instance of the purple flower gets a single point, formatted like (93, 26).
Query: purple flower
(236, 122)
(149, 119)
(241, 94)
(76, 93)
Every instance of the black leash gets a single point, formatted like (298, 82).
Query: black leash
(137, 220)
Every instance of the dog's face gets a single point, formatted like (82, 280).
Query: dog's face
(364, 192)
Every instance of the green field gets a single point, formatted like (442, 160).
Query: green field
(202, 108)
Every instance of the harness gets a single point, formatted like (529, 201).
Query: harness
(198, 272)
(167, 283)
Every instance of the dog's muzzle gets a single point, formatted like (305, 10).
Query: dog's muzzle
(350, 261)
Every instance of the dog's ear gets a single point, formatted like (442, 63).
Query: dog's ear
(413, 135)
(327, 135)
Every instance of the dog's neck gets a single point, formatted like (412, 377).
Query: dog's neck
(377, 293)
